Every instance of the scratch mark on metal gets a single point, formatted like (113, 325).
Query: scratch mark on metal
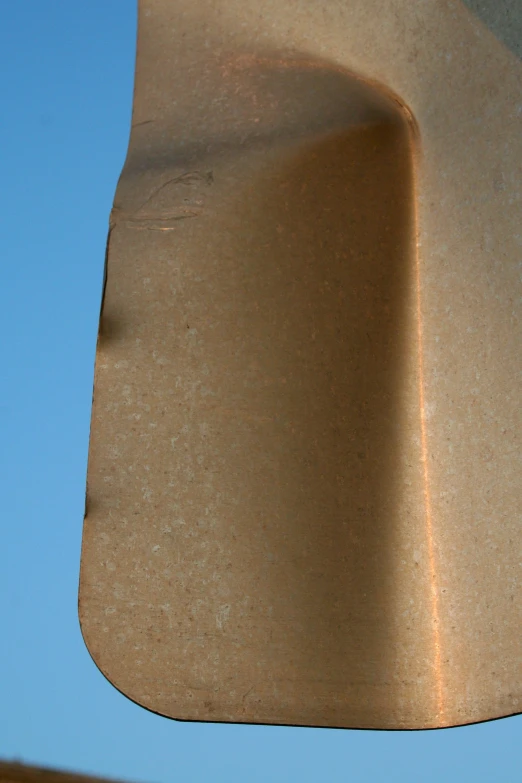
(182, 179)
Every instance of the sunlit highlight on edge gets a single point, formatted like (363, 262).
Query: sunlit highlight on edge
(437, 663)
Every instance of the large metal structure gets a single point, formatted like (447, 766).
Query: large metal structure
(303, 500)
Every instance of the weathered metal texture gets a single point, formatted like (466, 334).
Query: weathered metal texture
(303, 488)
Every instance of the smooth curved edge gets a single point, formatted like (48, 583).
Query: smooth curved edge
(136, 701)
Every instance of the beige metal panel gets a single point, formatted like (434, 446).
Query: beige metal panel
(504, 19)
(303, 489)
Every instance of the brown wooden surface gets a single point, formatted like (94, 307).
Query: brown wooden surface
(16, 772)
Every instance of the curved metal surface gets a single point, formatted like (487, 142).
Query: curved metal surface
(303, 487)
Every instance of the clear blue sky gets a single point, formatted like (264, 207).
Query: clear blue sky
(67, 73)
